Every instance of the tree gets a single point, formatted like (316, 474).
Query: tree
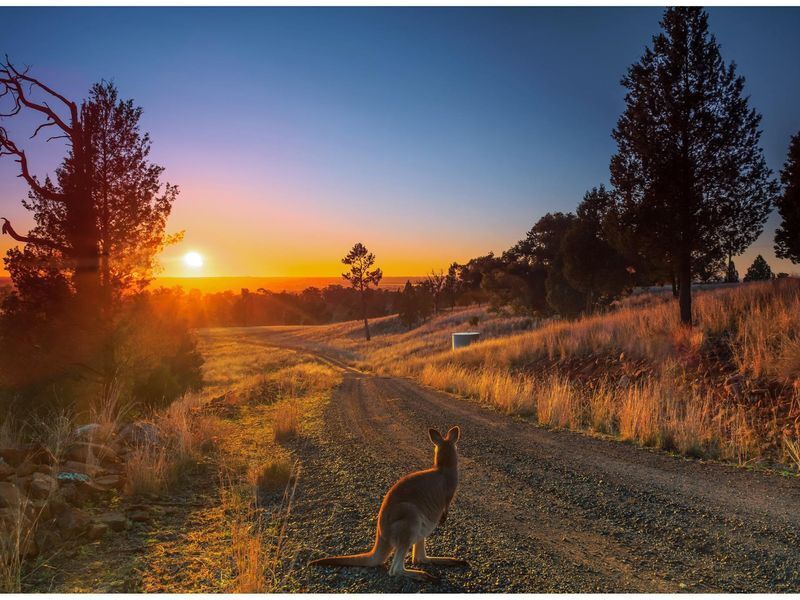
(529, 264)
(787, 235)
(591, 264)
(731, 274)
(99, 224)
(361, 277)
(689, 169)
(759, 270)
(408, 311)
(453, 287)
(74, 236)
(436, 282)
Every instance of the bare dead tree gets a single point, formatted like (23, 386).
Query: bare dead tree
(436, 283)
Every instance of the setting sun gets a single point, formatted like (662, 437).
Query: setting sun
(193, 259)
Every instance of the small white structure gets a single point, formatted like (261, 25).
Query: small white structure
(465, 338)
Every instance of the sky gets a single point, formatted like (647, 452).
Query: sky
(429, 134)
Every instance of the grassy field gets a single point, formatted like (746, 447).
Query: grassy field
(728, 389)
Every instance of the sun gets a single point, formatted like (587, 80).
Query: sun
(193, 260)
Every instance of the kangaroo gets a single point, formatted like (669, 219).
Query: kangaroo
(409, 513)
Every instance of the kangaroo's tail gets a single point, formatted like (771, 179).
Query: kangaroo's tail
(374, 558)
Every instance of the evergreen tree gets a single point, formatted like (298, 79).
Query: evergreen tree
(99, 225)
(759, 270)
(731, 274)
(361, 276)
(591, 264)
(689, 169)
(787, 235)
(408, 308)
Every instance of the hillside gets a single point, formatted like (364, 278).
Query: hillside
(727, 389)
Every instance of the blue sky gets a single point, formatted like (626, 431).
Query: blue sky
(429, 134)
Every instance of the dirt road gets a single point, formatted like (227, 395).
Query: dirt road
(537, 510)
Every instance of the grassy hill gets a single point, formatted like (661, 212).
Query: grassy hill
(729, 388)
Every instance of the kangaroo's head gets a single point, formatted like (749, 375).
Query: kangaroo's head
(445, 452)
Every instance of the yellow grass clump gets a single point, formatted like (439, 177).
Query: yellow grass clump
(286, 421)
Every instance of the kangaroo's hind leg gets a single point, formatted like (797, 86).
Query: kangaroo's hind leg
(398, 567)
(403, 534)
(420, 557)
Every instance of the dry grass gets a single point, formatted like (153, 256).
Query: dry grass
(792, 448)
(108, 412)
(15, 533)
(146, 470)
(258, 536)
(286, 421)
(557, 371)
(184, 433)
(11, 432)
(272, 476)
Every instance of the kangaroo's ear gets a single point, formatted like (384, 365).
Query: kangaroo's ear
(436, 437)
(453, 435)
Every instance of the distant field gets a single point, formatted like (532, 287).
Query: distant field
(273, 284)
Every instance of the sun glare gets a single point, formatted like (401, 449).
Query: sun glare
(193, 259)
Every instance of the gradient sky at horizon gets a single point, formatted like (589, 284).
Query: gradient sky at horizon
(429, 134)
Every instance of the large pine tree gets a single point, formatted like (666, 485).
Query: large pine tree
(99, 224)
(689, 170)
(787, 236)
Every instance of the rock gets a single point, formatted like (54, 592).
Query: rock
(46, 469)
(9, 517)
(6, 470)
(86, 432)
(26, 468)
(140, 516)
(115, 520)
(72, 522)
(47, 537)
(10, 496)
(97, 530)
(139, 433)
(42, 486)
(88, 490)
(72, 466)
(28, 548)
(13, 456)
(69, 494)
(111, 481)
(58, 502)
(88, 452)
(38, 510)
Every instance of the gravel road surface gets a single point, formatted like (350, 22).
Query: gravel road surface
(537, 510)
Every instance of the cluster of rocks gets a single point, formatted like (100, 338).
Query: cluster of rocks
(45, 500)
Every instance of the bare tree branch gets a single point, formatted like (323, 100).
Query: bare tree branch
(8, 229)
(10, 148)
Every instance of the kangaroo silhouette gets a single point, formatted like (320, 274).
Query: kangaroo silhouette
(409, 513)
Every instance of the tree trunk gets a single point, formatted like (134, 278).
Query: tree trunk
(364, 312)
(674, 285)
(685, 288)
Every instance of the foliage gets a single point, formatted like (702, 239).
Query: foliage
(759, 270)
(787, 235)
(689, 171)
(67, 327)
(731, 274)
(361, 276)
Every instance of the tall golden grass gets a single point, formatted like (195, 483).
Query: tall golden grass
(258, 536)
(183, 434)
